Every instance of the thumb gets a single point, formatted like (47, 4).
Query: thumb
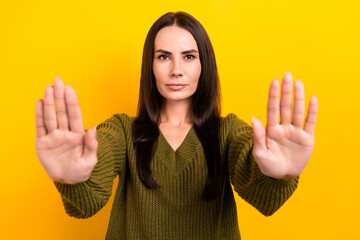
(91, 144)
(259, 137)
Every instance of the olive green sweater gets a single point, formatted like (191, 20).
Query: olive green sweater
(176, 210)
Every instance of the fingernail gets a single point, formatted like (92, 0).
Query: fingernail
(253, 120)
(49, 88)
(94, 131)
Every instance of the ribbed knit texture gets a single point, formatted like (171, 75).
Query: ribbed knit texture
(176, 210)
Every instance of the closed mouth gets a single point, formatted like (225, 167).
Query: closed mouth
(176, 84)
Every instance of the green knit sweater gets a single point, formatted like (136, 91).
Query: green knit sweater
(176, 210)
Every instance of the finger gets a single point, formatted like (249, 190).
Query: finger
(40, 124)
(49, 109)
(286, 98)
(61, 111)
(74, 112)
(299, 104)
(311, 116)
(259, 138)
(273, 103)
(91, 145)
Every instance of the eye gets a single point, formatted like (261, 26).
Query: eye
(163, 57)
(189, 57)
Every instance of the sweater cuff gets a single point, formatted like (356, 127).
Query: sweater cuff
(78, 199)
(265, 193)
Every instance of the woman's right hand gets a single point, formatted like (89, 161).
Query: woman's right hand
(65, 150)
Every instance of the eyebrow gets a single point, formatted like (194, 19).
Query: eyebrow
(184, 52)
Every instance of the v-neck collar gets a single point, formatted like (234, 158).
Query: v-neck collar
(176, 161)
(182, 143)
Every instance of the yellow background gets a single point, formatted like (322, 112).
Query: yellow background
(96, 47)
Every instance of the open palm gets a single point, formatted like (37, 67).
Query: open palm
(284, 148)
(66, 151)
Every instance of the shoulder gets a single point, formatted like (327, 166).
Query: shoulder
(118, 121)
(231, 127)
(232, 123)
(123, 118)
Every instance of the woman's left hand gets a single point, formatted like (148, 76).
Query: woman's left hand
(284, 148)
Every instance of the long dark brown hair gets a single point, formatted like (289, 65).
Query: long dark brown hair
(205, 105)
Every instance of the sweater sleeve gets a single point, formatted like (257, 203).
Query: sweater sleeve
(266, 194)
(83, 200)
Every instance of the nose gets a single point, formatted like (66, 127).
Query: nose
(176, 70)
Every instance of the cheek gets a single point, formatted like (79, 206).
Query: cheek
(196, 72)
(197, 68)
(158, 74)
(159, 71)
(155, 70)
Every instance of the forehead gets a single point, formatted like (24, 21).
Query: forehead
(174, 38)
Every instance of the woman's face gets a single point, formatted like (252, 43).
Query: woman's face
(176, 64)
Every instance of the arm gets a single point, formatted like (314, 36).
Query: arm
(83, 200)
(266, 194)
(69, 154)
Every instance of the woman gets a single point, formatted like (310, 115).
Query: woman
(177, 158)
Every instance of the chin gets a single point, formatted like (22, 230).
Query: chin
(171, 97)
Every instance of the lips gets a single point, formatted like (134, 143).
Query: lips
(176, 86)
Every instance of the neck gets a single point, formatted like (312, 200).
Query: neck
(176, 113)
